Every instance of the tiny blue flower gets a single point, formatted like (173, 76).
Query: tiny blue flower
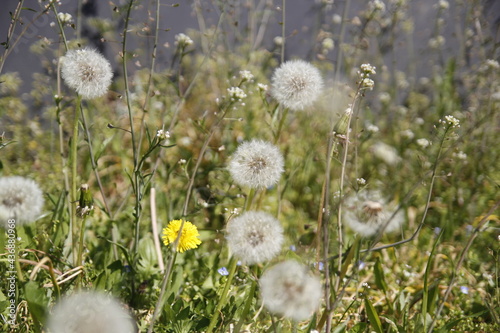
(293, 248)
(437, 231)
(320, 265)
(223, 271)
(464, 290)
(361, 265)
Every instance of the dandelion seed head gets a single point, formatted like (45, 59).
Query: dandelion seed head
(189, 237)
(366, 213)
(386, 153)
(289, 289)
(87, 72)
(20, 199)
(256, 164)
(90, 312)
(296, 84)
(254, 237)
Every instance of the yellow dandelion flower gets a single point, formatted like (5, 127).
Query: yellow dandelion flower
(189, 237)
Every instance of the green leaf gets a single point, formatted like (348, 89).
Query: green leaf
(373, 317)
(37, 300)
(350, 255)
(379, 276)
(30, 9)
(358, 328)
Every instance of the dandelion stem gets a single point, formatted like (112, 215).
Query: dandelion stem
(222, 301)
(166, 278)
(80, 250)
(284, 114)
(248, 303)
(73, 195)
(94, 164)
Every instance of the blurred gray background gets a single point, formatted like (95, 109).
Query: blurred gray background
(304, 17)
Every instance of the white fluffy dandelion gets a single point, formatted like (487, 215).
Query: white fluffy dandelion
(90, 312)
(289, 289)
(254, 237)
(20, 199)
(256, 164)
(87, 72)
(296, 84)
(367, 213)
(386, 153)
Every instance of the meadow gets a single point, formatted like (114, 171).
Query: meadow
(240, 177)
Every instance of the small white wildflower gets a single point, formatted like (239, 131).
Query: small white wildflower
(489, 65)
(437, 42)
(278, 40)
(336, 19)
(182, 161)
(367, 213)
(368, 83)
(408, 134)
(443, 4)
(454, 122)
(289, 289)
(254, 237)
(460, 155)
(327, 45)
(384, 97)
(377, 5)
(419, 121)
(361, 181)
(368, 69)
(256, 164)
(183, 40)
(20, 199)
(262, 87)
(422, 142)
(87, 72)
(236, 93)
(65, 18)
(90, 312)
(162, 135)
(296, 84)
(372, 128)
(246, 75)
